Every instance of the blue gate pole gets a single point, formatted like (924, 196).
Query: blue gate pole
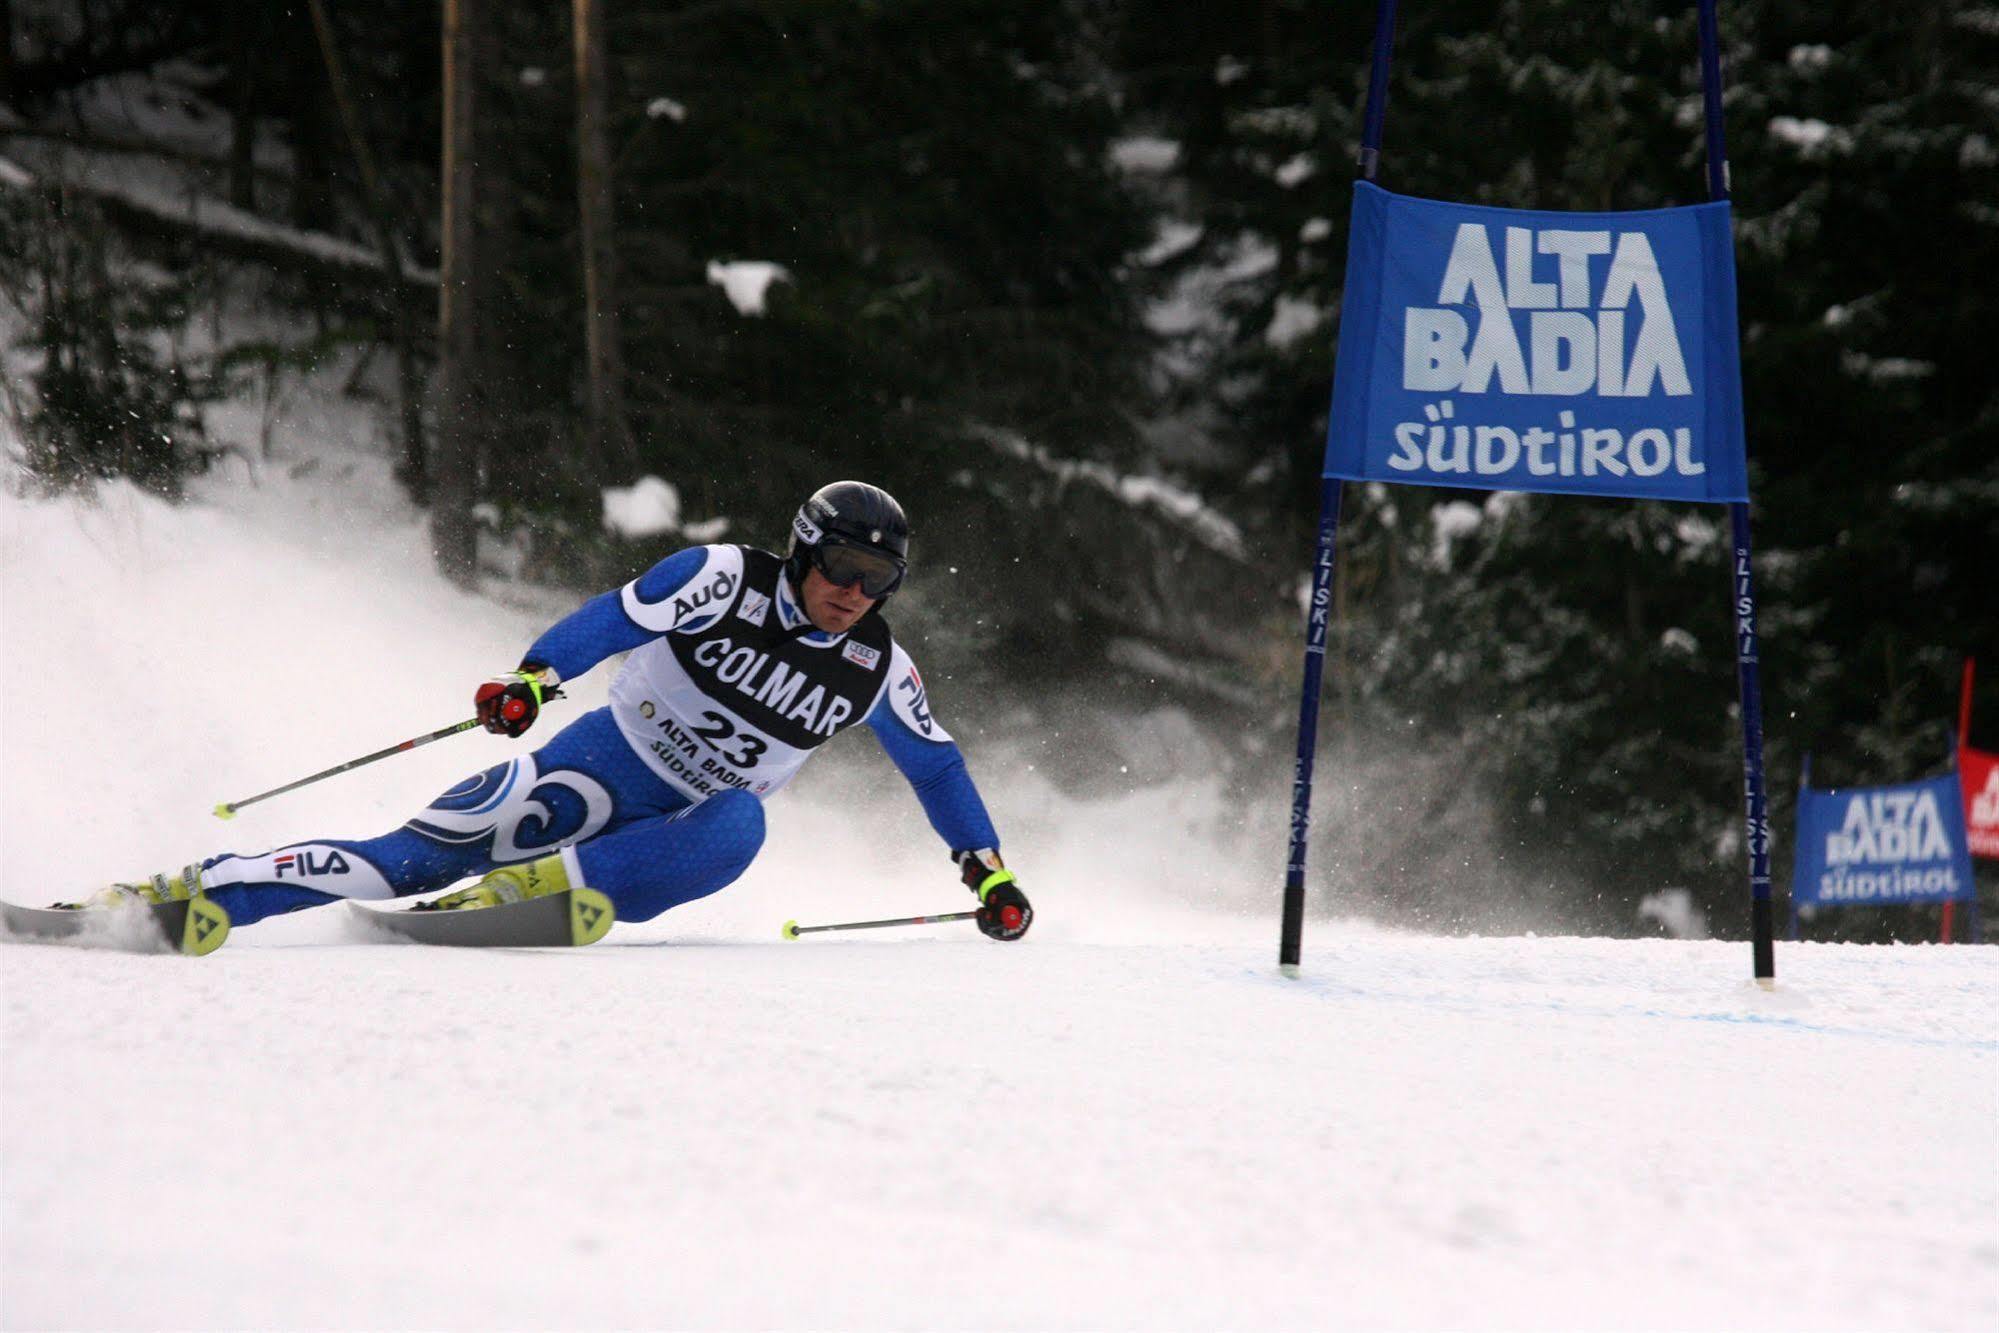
(1318, 615)
(1747, 670)
(1319, 612)
(1804, 785)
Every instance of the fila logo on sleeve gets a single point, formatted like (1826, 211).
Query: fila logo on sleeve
(915, 703)
(305, 862)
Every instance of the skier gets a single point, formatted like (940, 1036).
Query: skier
(742, 664)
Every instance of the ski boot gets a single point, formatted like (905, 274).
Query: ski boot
(184, 916)
(159, 889)
(507, 884)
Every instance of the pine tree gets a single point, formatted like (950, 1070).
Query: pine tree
(1576, 655)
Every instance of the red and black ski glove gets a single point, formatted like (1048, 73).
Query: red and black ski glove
(1005, 913)
(509, 704)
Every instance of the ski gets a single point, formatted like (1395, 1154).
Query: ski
(568, 919)
(194, 926)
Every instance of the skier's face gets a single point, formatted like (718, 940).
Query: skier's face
(831, 607)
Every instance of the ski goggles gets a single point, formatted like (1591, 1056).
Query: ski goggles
(878, 573)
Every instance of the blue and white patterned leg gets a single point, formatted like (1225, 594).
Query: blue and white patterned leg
(650, 865)
(524, 808)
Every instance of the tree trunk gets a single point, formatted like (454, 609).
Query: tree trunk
(460, 397)
(611, 447)
(402, 324)
(7, 79)
(244, 53)
(312, 173)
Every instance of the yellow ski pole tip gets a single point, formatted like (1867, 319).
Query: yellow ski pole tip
(790, 930)
(224, 810)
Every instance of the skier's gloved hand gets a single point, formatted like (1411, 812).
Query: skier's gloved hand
(1005, 914)
(509, 704)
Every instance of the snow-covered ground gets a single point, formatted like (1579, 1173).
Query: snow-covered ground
(1128, 1120)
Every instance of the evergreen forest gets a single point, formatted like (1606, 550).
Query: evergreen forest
(1066, 277)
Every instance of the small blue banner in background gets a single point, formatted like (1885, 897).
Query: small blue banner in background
(1875, 846)
(1505, 349)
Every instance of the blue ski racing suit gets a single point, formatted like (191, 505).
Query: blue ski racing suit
(656, 799)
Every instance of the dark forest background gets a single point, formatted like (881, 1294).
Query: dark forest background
(1065, 276)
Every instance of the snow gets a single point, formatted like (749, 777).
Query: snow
(1252, 257)
(1214, 529)
(1676, 913)
(1698, 536)
(1293, 318)
(173, 194)
(650, 507)
(165, 104)
(1197, 297)
(1173, 238)
(714, 1129)
(1127, 1121)
(1982, 19)
(1885, 369)
(1813, 138)
(1145, 154)
(1450, 522)
(1804, 133)
(1296, 122)
(646, 508)
(746, 282)
(707, 530)
(1142, 658)
(1296, 170)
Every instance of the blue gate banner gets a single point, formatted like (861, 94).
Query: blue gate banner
(1506, 349)
(1882, 845)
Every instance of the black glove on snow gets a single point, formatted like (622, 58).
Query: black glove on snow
(1006, 914)
(509, 704)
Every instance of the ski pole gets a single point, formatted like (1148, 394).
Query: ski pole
(228, 809)
(792, 930)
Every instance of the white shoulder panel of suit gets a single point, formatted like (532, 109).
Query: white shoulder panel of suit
(909, 700)
(696, 601)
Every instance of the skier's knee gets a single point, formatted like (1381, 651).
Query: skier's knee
(651, 867)
(737, 825)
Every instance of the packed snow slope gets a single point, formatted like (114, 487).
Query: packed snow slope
(1128, 1120)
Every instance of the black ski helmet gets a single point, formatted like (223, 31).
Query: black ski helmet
(852, 514)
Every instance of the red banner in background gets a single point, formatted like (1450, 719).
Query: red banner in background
(1979, 773)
